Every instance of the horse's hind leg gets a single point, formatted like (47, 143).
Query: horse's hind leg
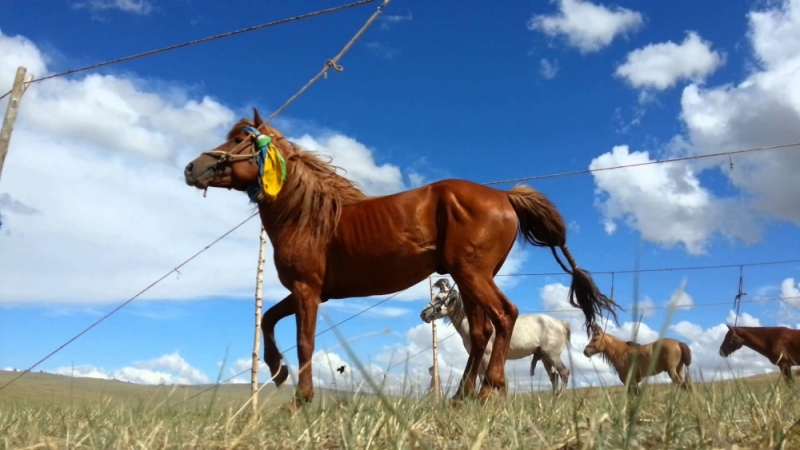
(503, 314)
(478, 340)
(675, 375)
(272, 356)
(563, 372)
(552, 374)
(786, 371)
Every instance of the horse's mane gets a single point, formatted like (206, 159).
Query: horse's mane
(622, 351)
(314, 193)
(457, 307)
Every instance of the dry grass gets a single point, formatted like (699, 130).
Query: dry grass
(47, 411)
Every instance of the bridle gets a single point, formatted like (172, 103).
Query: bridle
(271, 164)
(231, 157)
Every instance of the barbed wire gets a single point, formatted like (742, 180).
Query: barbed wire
(199, 41)
(330, 63)
(126, 302)
(405, 360)
(648, 163)
(294, 346)
(677, 307)
(655, 269)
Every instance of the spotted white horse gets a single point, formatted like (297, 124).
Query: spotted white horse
(539, 335)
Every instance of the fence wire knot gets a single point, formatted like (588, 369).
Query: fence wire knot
(336, 67)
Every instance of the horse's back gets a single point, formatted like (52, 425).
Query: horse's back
(541, 330)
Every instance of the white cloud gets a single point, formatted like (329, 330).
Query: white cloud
(391, 19)
(680, 299)
(138, 7)
(646, 307)
(660, 66)
(668, 204)
(548, 69)
(761, 110)
(174, 370)
(790, 292)
(99, 159)
(586, 25)
(358, 162)
(664, 202)
(745, 320)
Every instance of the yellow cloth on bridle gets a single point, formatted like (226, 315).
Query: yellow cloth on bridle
(273, 171)
(271, 166)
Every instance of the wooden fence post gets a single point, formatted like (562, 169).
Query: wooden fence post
(436, 383)
(257, 339)
(20, 84)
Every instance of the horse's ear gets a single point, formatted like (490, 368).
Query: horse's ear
(729, 327)
(257, 118)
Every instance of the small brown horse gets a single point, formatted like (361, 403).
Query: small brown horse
(672, 358)
(332, 241)
(780, 345)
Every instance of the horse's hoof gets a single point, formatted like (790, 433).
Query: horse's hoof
(282, 375)
(456, 402)
(292, 406)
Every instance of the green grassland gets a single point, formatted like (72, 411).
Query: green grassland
(51, 411)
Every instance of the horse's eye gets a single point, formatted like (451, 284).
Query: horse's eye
(238, 139)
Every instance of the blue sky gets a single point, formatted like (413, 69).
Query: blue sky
(432, 90)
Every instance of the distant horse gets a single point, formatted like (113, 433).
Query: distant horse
(539, 335)
(780, 345)
(332, 241)
(672, 358)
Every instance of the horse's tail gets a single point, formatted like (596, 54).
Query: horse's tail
(686, 354)
(567, 328)
(541, 225)
(686, 359)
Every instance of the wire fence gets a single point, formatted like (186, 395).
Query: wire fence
(197, 41)
(521, 274)
(328, 64)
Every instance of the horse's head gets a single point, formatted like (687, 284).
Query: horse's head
(439, 307)
(235, 164)
(597, 344)
(731, 343)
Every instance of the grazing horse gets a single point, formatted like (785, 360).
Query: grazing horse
(332, 241)
(539, 335)
(672, 357)
(780, 345)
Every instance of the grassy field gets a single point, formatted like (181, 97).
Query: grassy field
(51, 411)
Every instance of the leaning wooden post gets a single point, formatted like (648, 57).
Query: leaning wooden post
(436, 384)
(20, 84)
(257, 339)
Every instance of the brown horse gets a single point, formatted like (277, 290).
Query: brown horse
(332, 241)
(672, 357)
(780, 345)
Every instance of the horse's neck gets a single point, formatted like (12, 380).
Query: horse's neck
(754, 340)
(618, 354)
(458, 316)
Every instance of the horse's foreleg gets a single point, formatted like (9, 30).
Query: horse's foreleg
(273, 356)
(306, 306)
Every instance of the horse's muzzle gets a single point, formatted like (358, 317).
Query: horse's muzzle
(196, 176)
